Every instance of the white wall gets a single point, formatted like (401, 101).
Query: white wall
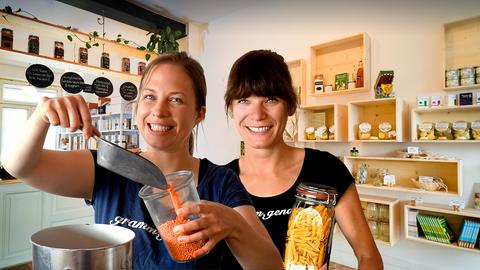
(406, 36)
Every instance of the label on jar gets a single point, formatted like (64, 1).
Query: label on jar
(476, 124)
(318, 85)
(459, 125)
(425, 126)
(331, 129)
(365, 127)
(442, 126)
(385, 127)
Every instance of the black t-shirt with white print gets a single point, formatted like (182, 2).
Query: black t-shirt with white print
(318, 167)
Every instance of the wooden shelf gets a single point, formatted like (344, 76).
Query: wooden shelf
(463, 87)
(461, 48)
(376, 111)
(340, 92)
(446, 113)
(340, 56)
(50, 29)
(393, 215)
(454, 219)
(335, 114)
(25, 59)
(406, 168)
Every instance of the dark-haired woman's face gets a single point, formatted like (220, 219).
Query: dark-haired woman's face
(166, 110)
(260, 120)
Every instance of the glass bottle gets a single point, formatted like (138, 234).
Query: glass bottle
(83, 55)
(311, 222)
(359, 81)
(125, 64)
(105, 60)
(58, 51)
(33, 44)
(7, 38)
(141, 68)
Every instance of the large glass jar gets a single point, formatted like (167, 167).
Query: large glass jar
(310, 227)
(161, 205)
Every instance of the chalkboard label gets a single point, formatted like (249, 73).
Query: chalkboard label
(71, 82)
(39, 75)
(128, 91)
(87, 88)
(102, 87)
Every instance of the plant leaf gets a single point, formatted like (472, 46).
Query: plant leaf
(88, 45)
(95, 33)
(69, 38)
(147, 56)
(118, 40)
(119, 35)
(126, 42)
(178, 33)
(18, 10)
(9, 10)
(95, 44)
(141, 48)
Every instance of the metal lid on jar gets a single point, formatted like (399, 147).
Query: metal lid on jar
(317, 192)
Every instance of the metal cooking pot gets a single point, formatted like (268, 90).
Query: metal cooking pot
(78, 246)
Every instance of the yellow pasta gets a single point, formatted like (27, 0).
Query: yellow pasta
(307, 237)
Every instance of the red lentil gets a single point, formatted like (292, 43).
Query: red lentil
(178, 251)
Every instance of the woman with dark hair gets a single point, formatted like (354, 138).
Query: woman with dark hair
(171, 103)
(259, 99)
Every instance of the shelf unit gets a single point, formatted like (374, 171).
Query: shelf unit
(406, 168)
(461, 49)
(24, 59)
(117, 128)
(335, 114)
(393, 216)
(454, 219)
(341, 56)
(376, 111)
(447, 113)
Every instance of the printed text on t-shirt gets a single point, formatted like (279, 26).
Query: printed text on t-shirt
(272, 213)
(136, 224)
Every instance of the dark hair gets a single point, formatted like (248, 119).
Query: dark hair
(261, 73)
(193, 69)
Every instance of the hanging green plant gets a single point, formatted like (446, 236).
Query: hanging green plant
(161, 41)
(92, 38)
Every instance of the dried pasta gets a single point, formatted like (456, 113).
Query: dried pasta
(307, 237)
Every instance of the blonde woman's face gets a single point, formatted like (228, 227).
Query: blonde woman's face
(166, 110)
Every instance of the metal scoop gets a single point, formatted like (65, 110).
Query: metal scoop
(128, 164)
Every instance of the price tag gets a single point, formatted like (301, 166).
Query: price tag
(412, 150)
(389, 180)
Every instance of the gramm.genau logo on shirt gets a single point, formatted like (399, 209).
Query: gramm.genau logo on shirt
(271, 213)
(136, 224)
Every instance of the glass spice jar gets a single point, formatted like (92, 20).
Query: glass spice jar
(141, 68)
(33, 44)
(125, 64)
(310, 227)
(7, 38)
(58, 51)
(83, 55)
(105, 60)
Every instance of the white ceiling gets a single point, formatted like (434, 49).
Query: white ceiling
(203, 11)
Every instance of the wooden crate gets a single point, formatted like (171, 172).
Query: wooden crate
(393, 213)
(341, 56)
(450, 114)
(392, 110)
(335, 114)
(454, 219)
(406, 168)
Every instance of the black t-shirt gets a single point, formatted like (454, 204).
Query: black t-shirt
(318, 167)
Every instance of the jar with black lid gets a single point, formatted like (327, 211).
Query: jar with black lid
(310, 227)
(105, 60)
(83, 55)
(7, 38)
(33, 44)
(58, 52)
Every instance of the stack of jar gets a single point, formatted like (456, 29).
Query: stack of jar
(377, 215)
(462, 76)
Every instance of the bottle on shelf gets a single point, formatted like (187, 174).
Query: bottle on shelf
(359, 81)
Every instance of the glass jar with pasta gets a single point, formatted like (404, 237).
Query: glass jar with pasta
(310, 227)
